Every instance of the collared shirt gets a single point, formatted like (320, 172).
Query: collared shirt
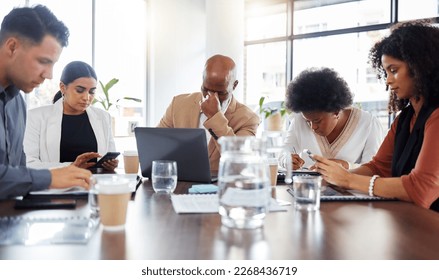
(15, 178)
(203, 117)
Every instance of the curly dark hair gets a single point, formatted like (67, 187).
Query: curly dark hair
(416, 43)
(318, 90)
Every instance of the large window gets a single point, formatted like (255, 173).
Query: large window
(114, 43)
(311, 33)
(121, 53)
(267, 73)
(315, 16)
(410, 9)
(79, 48)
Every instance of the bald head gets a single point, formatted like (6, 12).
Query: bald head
(220, 66)
(220, 74)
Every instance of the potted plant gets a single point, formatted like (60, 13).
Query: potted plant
(274, 116)
(105, 100)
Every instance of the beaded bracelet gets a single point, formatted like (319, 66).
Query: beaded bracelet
(372, 184)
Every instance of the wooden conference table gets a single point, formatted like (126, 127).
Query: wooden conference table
(340, 230)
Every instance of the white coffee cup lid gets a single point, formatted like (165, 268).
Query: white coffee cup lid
(130, 153)
(272, 161)
(113, 186)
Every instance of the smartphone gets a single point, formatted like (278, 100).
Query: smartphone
(107, 156)
(45, 204)
(309, 154)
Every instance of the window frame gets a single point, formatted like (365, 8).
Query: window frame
(291, 37)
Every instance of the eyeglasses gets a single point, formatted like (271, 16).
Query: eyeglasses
(206, 91)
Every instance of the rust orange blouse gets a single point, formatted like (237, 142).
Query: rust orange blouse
(422, 183)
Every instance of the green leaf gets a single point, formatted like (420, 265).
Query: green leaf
(268, 111)
(133, 99)
(105, 101)
(261, 102)
(110, 84)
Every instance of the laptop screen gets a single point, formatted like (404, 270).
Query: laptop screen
(187, 146)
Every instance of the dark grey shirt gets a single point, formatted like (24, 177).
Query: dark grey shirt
(15, 178)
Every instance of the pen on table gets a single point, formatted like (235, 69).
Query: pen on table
(138, 183)
(294, 150)
(290, 191)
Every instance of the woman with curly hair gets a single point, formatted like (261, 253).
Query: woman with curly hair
(325, 123)
(407, 164)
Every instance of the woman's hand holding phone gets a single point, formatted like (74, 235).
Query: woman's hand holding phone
(110, 164)
(83, 160)
(108, 161)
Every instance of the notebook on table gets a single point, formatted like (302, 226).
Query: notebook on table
(187, 146)
(281, 174)
(334, 193)
(331, 192)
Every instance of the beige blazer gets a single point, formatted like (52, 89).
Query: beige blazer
(184, 112)
(42, 136)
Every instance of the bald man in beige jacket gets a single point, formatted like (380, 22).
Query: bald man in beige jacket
(214, 108)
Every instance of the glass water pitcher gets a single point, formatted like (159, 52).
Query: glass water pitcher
(243, 181)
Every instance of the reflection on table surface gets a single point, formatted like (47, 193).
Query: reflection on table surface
(340, 230)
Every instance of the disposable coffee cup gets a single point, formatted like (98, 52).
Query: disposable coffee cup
(131, 162)
(113, 198)
(273, 164)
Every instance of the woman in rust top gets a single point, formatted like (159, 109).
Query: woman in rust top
(406, 165)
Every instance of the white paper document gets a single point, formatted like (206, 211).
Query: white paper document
(206, 203)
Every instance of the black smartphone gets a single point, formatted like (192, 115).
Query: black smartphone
(45, 204)
(107, 156)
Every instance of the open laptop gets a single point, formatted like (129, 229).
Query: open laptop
(187, 146)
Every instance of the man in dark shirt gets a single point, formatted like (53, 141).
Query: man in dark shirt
(31, 41)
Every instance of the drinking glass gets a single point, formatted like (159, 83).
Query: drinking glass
(164, 176)
(93, 199)
(274, 143)
(307, 192)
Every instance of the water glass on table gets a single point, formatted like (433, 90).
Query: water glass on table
(306, 191)
(275, 147)
(164, 176)
(93, 198)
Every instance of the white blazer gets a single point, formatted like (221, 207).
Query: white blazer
(42, 136)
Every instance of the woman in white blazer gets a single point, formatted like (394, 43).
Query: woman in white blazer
(70, 131)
